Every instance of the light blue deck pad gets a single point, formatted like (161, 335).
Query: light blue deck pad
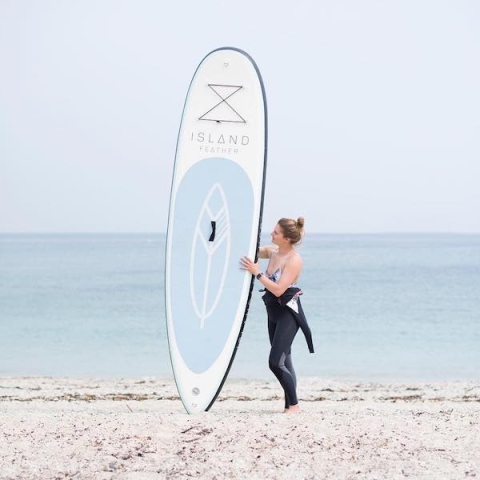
(206, 279)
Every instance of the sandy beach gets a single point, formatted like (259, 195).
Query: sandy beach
(138, 429)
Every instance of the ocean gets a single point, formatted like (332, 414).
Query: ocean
(390, 308)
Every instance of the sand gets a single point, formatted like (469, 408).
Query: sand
(138, 429)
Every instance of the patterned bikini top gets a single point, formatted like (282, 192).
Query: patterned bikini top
(274, 277)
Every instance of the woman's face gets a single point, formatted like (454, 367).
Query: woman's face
(277, 235)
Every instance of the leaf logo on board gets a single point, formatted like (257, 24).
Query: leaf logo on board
(210, 254)
(223, 111)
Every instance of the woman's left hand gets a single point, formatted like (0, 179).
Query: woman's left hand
(248, 264)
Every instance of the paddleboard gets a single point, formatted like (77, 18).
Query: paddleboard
(214, 219)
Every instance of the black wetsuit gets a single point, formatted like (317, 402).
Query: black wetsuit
(283, 325)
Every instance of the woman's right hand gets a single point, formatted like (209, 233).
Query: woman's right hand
(248, 264)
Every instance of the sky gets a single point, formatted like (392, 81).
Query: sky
(373, 108)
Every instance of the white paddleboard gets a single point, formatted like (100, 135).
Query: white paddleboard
(214, 219)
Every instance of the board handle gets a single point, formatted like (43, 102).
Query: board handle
(214, 230)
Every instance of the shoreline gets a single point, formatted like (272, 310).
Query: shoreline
(138, 429)
(310, 389)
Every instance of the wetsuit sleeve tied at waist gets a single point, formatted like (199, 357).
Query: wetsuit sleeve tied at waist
(291, 300)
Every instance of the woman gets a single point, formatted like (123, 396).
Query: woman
(285, 313)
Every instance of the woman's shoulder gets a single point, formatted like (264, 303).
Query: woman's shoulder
(295, 258)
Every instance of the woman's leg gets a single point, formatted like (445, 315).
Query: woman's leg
(282, 331)
(289, 367)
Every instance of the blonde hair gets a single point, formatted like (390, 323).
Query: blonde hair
(292, 229)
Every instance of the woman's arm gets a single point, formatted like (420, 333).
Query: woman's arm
(266, 251)
(290, 273)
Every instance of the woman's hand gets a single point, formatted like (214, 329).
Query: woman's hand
(248, 264)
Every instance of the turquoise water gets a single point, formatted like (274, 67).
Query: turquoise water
(381, 307)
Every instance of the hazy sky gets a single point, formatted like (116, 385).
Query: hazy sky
(374, 110)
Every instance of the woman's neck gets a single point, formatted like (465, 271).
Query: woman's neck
(284, 251)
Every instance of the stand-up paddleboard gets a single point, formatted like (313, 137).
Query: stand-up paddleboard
(214, 219)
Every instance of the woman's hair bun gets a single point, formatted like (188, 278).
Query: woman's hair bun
(292, 229)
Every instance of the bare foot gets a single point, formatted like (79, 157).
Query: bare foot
(293, 409)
